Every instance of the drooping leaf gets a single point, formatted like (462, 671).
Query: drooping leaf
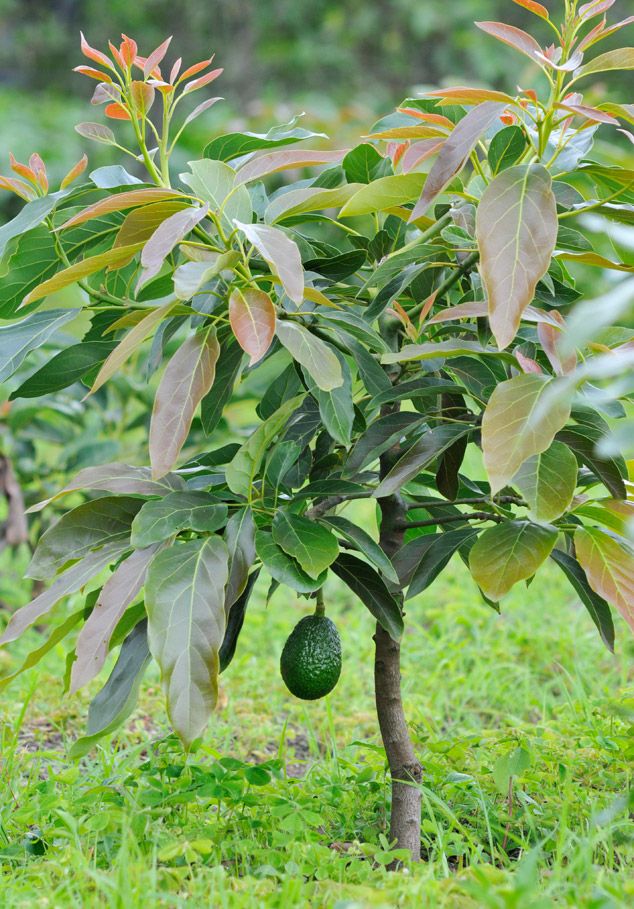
(312, 353)
(371, 589)
(252, 318)
(184, 595)
(160, 519)
(548, 481)
(508, 553)
(117, 593)
(455, 152)
(336, 407)
(34, 657)
(418, 456)
(227, 370)
(364, 543)
(596, 605)
(584, 440)
(310, 543)
(235, 622)
(421, 560)
(64, 369)
(379, 437)
(188, 377)
(240, 540)
(516, 230)
(510, 432)
(115, 702)
(280, 253)
(19, 339)
(609, 567)
(283, 568)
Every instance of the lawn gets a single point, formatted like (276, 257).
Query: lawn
(524, 723)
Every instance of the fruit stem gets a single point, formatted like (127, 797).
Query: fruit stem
(320, 609)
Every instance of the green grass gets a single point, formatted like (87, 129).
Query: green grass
(285, 803)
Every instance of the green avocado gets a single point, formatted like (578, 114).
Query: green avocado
(311, 658)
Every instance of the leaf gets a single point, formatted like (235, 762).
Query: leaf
(34, 657)
(364, 542)
(115, 702)
(64, 369)
(117, 593)
(595, 259)
(72, 580)
(379, 437)
(19, 339)
(463, 94)
(431, 444)
(274, 162)
(363, 164)
(234, 145)
(139, 224)
(30, 215)
(622, 58)
(281, 255)
(283, 568)
(88, 526)
(312, 198)
(112, 258)
(371, 589)
(160, 519)
(227, 370)
(214, 182)
(33, 260)
(165, 238)
(548, 482)
(187, 379)
(420, 561)
(510, 433)
(310, 543)
(514, 37)
(121, 202)
(508, 553)
(126, 347)
(609, 567)
(184, 596)
(240, 540)
(235, 621)
(384, 193)
(336, 407)
(596, 605)
(506, 148)
(455, 152)
(516, 230)
(191, 276)
(534, 7)
(117, 478)
(252, 319)
(243, 468)
(584, 440)
(312, 353)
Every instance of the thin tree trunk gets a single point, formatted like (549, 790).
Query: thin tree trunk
(405, 769)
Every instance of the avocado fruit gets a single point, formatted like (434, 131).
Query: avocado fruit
(311, 659)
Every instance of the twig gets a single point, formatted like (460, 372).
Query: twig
(451, 519)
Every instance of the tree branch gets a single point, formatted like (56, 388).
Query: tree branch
(451, 519)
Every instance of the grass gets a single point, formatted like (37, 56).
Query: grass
(524, 723)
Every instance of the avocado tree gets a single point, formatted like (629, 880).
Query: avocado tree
(407, 309)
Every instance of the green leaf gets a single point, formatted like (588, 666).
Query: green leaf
(609, 567)
(243, 468)
(508, 553)
(379, 437)
(310, 199)
(516, 230)
(283, 568)
(34, 657)
(281, 255)
(160, 519)
(364, 543)
(64, 369)
(116, 700)
(33, 261)
(227, 370)
(29, 217)
(596, 605)
(122, 202)
(622, 58)
(310, 543)
(119, 591)
(19, 339)
(431, 444)
(235, 622)
(184, 596)
(583, 440)
(191, 276)
(95, 523)
(234, 145)
(384, 193)
(364, 164)
(240, 540)
(371, 589)
(317, 357)
(510, 431)
(506, 148)
(188, 377)
(336, 407)
(443, 349)
(214, 182)
(548, 482)
(420, 561)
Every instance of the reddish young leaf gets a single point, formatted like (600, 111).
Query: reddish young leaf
(117, 112)
(197, 111)
(92, 73)
(204, 80)
(104, 92)
(273, 162)
(427, 117)
(121, 202)
(462, 94)
(549, 338)
(93, 54)
(252, 318)
(534, 7)
(590, 10)
(196, 68)
(175, 70)
(282, 255)
(188, 377)
(419, 152)
(156, 57)
(514, 37)
(528, 365)
(128, 50)
(600, 32)
(454, 153)
(22, 170)
(39, 169)
(609, 566)
(165, 238)
(143, 97)
(117, 55)
(97, 132)
(23, 190)
(590, 113)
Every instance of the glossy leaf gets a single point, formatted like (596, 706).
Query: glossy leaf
(160, 519)
(514, 37)
(380, 436)
(548, 482)
(64, 369)
(214, 183)
(252, 319)
(280, 253)
(234, 145)
(312, 353)
(184, 596)
(121, 202)
(622, 58)
(283, 568)
(371, 589)
(240, 540)
(274, 162)
(422, 559)
(165, 238)
(188, 377)
(431, 444)
(235, 621)
(609, 567)
(362, 541)
(384, 193)
(510, 432)
(310, 543)
(17, 340)
(508, 553)
(336, 407)
(506, 148)
(516, 230)
(596, 605)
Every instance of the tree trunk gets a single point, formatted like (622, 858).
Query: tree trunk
(405, 769)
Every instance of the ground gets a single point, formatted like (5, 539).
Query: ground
(524, 723)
